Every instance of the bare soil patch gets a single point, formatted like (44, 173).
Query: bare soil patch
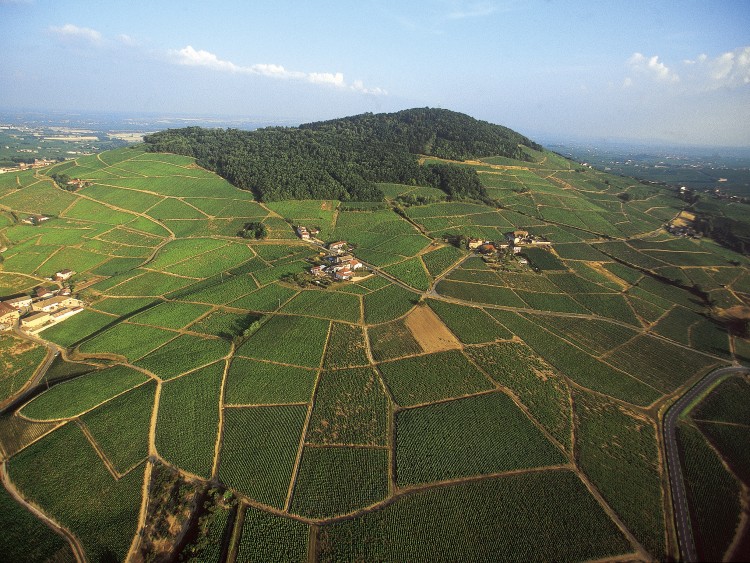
(429, 331)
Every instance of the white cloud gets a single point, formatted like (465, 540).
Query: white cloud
(728, 70)
(274, 71)
(360, 87)
(191, 57)
(336, 79)
(126, 39)
(70, 31)
(478, 10)
(651, 66)
(699, 59)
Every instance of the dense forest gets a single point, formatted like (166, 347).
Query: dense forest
(344, 158)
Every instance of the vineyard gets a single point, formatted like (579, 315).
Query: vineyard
(373, 419)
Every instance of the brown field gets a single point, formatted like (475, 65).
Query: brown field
(684, 219)
(429, 331)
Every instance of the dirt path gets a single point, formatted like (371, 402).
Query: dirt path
(102, 456)
(136, 543)
(75, 544)
(220, 430)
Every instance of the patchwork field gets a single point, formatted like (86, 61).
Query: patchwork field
(356, 420)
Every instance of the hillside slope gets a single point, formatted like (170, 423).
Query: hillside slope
(343, 158)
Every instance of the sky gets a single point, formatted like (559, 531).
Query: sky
(658, 70)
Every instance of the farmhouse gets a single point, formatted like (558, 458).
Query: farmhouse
(341, 258)
(18, 302)
(43, 293)
(35, 219)
(521, 238)
(474, 243)
(318, 270)
(54, 303)
(63, 275)
(35, 320)
(344, 274)
(8, 316)
(303, 233)
(517, 236)
(78, 183)
(338, 246)
(65, 313)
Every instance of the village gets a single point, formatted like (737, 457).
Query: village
(336, 263)
(515, 242)
(45, 308)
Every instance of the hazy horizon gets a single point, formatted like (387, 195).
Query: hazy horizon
(671, 72)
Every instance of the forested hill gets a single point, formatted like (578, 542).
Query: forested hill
(343, 158)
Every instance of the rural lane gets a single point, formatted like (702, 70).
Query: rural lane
(52, 352)
(683, 527)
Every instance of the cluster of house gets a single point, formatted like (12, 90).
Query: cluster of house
(306, 234)
(45, 308)
(35, 219)
(515, 241)
(340, 263)
(38, 163)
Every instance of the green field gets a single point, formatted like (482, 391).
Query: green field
(189, 419)
(461, 524)
(335, 422)
(423, 379)
(71, 398)
(346, 347)
(359, 477)
(306, 338)
(618, 451)
(713, 494)
(251, 382)
(65, 456)
(25, 538)
(539, 387)
(350, 408)
(183, 354)
(473, 436)
(268, 537)
(259, 450)
(121, 426)
(18, 361)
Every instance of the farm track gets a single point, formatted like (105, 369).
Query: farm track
(74, 542)
(52, 352)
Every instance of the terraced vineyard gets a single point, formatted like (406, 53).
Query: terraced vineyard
(356, 421)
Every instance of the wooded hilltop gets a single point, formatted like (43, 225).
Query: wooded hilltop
(344, 158)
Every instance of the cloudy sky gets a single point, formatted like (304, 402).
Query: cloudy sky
(675, 71)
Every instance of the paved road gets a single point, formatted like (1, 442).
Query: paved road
(674, 469)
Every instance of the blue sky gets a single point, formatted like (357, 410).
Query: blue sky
(675, 71)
